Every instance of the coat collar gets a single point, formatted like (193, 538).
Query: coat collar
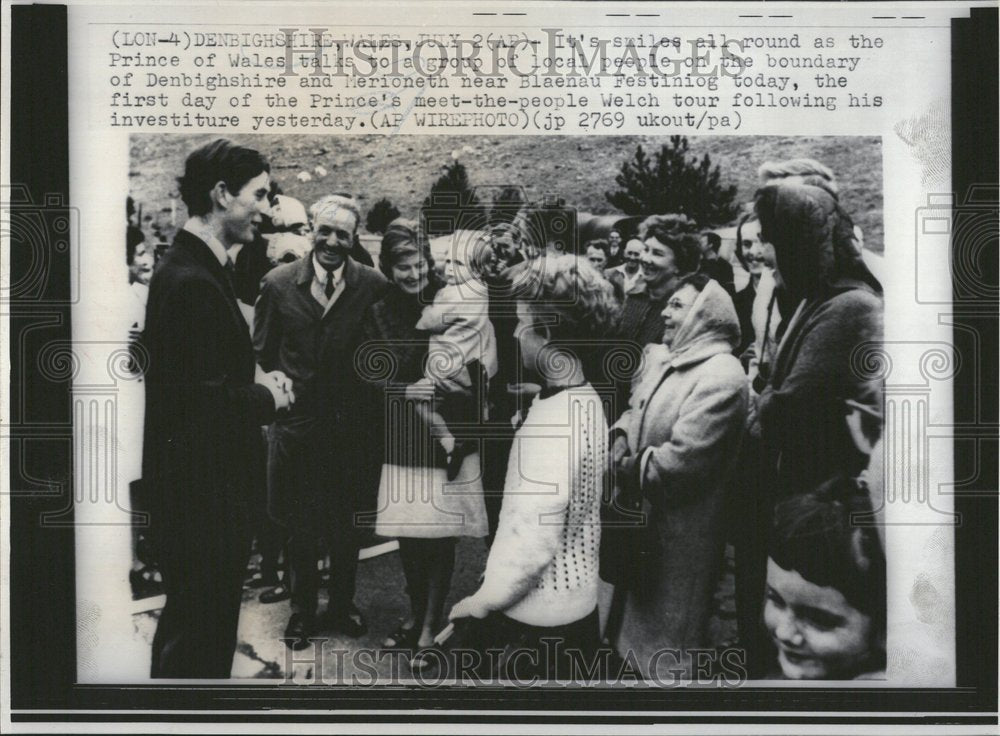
(305, 273)
(659, 357)
(200, 251)
(197, 227)
(207, 259)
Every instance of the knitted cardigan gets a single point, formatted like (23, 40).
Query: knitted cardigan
(543, 565)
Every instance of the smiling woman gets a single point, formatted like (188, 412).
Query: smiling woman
(675, 447)
(670, 251)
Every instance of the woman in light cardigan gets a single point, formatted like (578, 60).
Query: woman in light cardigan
(541, 577)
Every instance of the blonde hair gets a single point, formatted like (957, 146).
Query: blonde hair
(571, 288)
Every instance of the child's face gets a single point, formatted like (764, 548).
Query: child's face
(819, 635)
(456, 271)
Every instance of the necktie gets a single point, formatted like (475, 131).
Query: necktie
(329, 284)
(230, 269)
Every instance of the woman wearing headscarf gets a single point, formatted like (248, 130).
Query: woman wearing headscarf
(676, 446)
(821, 360)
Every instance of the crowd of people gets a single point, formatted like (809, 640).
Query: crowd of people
(605, 416)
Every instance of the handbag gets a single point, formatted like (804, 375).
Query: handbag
(630, 547)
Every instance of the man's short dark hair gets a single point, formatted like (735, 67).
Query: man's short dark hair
(220, 160)
(714, 240)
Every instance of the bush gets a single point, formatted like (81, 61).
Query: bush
(380, 215)
(674, 182)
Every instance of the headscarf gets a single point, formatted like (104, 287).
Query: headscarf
(711, 327)
(817, 250)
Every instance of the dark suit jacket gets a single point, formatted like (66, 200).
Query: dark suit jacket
(249, 268)
(721, 271)
(316, 351)
(328, 435)
(203, 410)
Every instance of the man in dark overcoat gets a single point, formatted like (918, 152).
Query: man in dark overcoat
(322, 460)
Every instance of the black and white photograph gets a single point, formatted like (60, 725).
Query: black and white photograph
(543, 367)
(529, 409)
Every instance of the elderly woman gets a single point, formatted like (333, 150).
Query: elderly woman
(676, 446)
(417, 504)
(541, 577)
(819, 363)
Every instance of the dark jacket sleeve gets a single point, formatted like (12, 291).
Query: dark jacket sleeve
(265, 327)
(807, 408)
(195, 326)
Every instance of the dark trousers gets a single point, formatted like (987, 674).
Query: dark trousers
(317, 486)
(203, 579)
(305, 548)
(528, 653)
(270, 536)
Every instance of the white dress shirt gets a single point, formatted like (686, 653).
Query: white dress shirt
(318, 286)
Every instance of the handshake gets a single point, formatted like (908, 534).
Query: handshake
(279, 385)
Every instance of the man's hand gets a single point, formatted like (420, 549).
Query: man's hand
(471, 607)
(279, 385)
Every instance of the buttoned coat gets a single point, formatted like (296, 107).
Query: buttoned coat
(322, 449)
(684, 425)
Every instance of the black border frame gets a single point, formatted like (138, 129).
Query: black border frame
(42, 587)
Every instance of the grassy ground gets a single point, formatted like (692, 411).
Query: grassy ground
(579, 169)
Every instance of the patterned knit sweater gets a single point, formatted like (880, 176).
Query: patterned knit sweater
(543, 565)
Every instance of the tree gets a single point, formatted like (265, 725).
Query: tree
(674, 182)
(380, 215)
(451, 201)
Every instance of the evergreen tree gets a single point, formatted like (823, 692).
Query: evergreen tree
(380, 215)
(674, 182)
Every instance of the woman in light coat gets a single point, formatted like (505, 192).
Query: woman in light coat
(676, 445)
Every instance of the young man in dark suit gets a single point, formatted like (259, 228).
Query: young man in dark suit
(205, 403)
(322, 463)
